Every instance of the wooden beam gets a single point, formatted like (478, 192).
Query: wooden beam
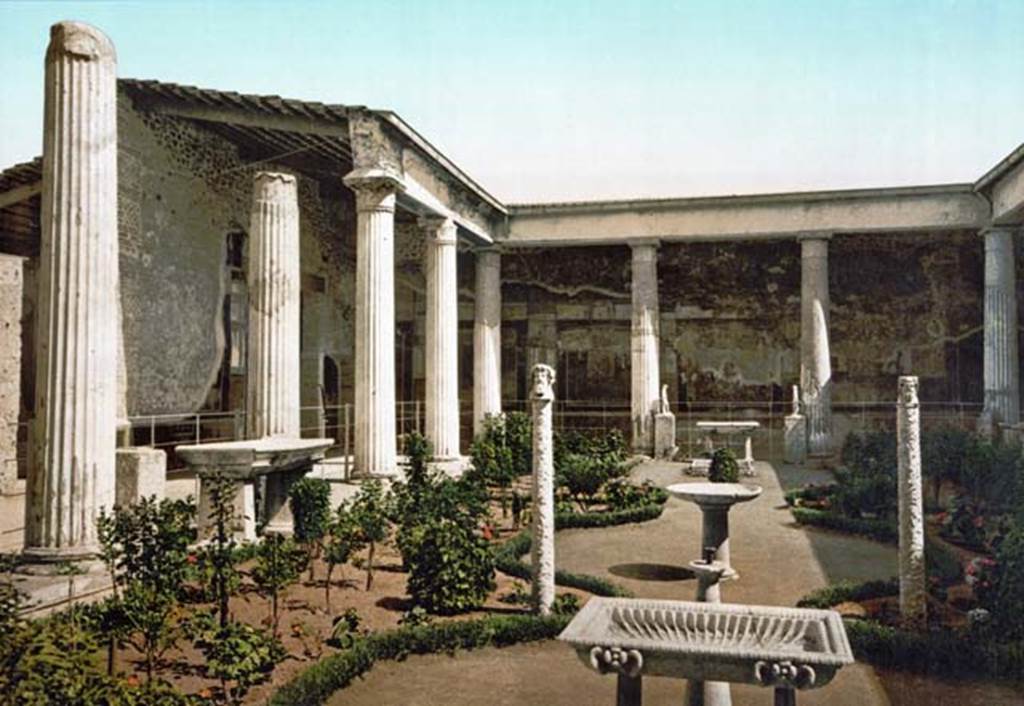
(20, 193)
(308, 125)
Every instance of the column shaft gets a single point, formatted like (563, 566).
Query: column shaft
(913, 585)
(72, 456)
(815, 361)
(644, 346)
(542, 549)
(375, 445)
(487, 338)
(442, 338)
(1001, 365)
(272, 380)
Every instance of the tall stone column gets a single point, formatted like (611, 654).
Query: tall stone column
(913, 591)
(375, 191)
(487, 338)
(542, 396)
(1001, 365)
(272, 382)
(442, 337)
(71, 473)
(644, 345)
(815, 361)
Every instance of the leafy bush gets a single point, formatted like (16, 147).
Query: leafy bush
(369, 514)
(724, 467)
(503, 451)
(278, 564)
(620, 494)
(452, 570)
(337, 671)
(345, 629)
(1004, 600)
(237, 654)
(583, 477)
(944, 456)
(566, 604)
(342, 541)
(310, 500)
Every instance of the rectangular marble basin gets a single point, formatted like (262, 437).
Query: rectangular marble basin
(766, 645)
(250, 458)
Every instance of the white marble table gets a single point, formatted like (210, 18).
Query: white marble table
(712, 428)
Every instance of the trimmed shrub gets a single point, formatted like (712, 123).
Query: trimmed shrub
(724, 467)
(452, 570)
(1007, 594)
(843, 591)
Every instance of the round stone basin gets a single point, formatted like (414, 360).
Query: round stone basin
(715, 494)
(714, 500)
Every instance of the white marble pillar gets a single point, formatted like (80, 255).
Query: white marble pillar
(645, 375)
(1001, 364)
(487, 338)
(542, 549)
(815, 361)
(913, 589)
(442, 337)
(71, 472)
(274, 280)
(375, 444)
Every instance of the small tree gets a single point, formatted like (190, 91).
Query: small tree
(146, 546)
(342, 541)
(239, 655)
(370, 513)
(216, 563)
(278, 564)
(310, 500)
(453, 569)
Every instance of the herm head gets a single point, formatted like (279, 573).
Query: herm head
(543, 377)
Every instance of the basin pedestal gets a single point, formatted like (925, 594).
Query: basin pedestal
(708, 693)
(715, 501)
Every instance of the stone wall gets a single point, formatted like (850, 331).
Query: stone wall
(730, 319)
(183, 189)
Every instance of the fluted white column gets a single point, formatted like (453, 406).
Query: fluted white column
(72, 458)
(442, 337)
(815, 361)
(913, 589)
(487, 338)
(375, 447)
(1001, 365)
(272, 380)
(645, 374)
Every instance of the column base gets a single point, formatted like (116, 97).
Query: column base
(49, 559)
(47, 590)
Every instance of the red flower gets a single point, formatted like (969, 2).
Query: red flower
(132, 680)
(487, 533)
(192, 559)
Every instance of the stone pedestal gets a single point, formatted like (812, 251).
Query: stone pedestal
(71, 472)
(665, 435)
(913, 586)
(644, 346)
(272, 379)
(543, 547)
(442, 337)
(708, 693)
(795, 438)
(815, 362)
(1001, 364)
(277, 509)
(487, 338)
(141, 473)
(375, 442)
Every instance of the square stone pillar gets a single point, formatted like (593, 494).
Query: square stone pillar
(71, 471)
(644, 344)
(375, 443)
(487, 338)
(141, 473)
(1001, 363)
(815, 360)
(442, 337)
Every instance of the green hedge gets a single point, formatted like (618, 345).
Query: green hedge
(506, 560)
(942, 652)
(316, 684)
(588, 520)
(880, 530)
(846, 591)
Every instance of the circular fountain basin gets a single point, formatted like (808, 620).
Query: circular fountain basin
(715, 494)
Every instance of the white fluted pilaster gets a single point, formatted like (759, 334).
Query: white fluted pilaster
(272, 380)
(442, 337)
(645, 374)
(815, 360)
(375, 448)
(72, 464)
(1001, 365)
(487, 338)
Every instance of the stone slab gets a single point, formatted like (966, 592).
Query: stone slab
(141, 472)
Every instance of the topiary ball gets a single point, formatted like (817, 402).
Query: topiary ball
(724, 467)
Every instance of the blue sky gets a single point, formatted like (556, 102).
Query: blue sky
(566, 100)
